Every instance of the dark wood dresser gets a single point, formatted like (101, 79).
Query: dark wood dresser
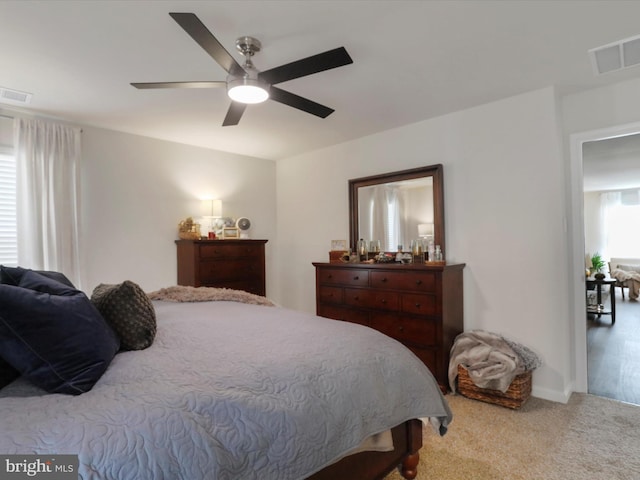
(237, 264)
(419, 305)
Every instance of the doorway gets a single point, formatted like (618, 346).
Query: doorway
(607, 356)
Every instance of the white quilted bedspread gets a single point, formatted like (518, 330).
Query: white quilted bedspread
(228, 391)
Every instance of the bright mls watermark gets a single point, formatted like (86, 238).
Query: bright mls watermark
(50, 467)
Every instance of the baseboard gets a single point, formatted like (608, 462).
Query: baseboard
(553, 395)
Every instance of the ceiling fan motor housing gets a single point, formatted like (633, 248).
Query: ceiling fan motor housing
(248, 46)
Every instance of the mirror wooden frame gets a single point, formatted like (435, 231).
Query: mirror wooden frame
(434, 171)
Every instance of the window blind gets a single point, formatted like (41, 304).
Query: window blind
(8, 217)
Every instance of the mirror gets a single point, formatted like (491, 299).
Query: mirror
(398, 207)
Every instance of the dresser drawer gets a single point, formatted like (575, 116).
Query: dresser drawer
(343, 277)
(419, 304)
(419, 331)
(411, 281)
(428, 356)
(383, 300)
(331, 294)
(239, 268)
(359, 297)
(219, 250)
(343, 313)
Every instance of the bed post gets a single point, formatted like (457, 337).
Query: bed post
(409, 468)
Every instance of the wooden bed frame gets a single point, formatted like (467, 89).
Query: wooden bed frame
(407, 440)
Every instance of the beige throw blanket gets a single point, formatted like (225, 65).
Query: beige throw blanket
(181, 293)
(632, 280)
(491, 360)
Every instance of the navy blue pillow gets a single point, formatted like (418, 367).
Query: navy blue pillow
(13, 275)
(7, 373)
(53, 335)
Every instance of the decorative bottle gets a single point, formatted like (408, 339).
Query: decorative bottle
(431, 251)
(362, 250)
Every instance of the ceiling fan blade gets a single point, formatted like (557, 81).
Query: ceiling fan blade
(299, 102)
(307, 66)
(179, 85)
(236, 109)
(196, 29)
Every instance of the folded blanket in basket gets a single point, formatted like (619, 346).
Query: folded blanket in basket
(491, 360)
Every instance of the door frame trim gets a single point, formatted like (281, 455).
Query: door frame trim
(577, 260)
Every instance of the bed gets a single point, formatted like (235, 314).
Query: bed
(236, 390)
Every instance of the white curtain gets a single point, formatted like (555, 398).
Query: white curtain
(392, 224)
(619, 232)
(378, 215)
(48, 157)
(385, 217)
(396, 228)
(608, 202)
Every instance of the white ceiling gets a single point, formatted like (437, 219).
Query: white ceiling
(412, 61)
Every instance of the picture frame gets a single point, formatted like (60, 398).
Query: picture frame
(230, 232)
(338, 245)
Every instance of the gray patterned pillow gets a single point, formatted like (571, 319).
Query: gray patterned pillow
(130, 313)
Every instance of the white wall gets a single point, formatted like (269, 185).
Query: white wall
(602, 108)
(504, 214)
(135, 190)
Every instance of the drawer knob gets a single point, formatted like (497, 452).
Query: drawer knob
(356, 298)
(401, 328)
(418, 282)
(329, 276)
(417, 305)
(384, 300)
(356, 278)
(384, 279)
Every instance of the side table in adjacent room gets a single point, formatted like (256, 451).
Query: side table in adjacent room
(599, 309)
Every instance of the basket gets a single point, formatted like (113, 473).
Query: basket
(188, 235)
(189, 230)
(516, 395)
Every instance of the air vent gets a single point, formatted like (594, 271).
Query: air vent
(616, 56)
(14, 97)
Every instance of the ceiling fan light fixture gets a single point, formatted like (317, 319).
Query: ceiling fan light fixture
(247, 90)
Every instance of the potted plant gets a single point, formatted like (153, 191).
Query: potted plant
(597, 264)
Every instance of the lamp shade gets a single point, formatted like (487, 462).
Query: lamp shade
(212, 208)
(425, 229)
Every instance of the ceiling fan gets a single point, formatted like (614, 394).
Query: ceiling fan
(245, 84)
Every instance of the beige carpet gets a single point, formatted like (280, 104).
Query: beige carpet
(589, 438)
